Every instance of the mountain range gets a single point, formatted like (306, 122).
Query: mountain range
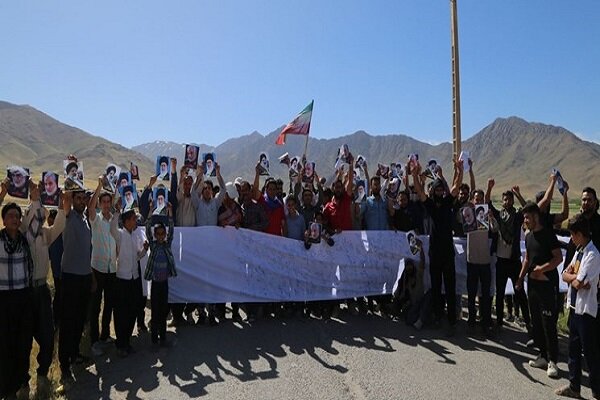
(511, 150)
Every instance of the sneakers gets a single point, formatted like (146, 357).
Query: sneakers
(540, 362)
(552, 370)
(566, 391)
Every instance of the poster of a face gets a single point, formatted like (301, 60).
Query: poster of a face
(314, 232)
(160, 199)
(51, 193)
(383, 171)
(294, 166)
(124, 179)
(208, 164)
(469, 221)
(129, 197)
(465, 157)
(18, 185)
(73, 175)
(397, 170)
(413, 245)
(309, 172)
(360, 161)
(133, 170)
(111, 176)
(560, 183)
(263, 164)
(481, 213)
(431, 171)
(163, 168)
(360, 191)
(413, 162)
(191, 156)
(342, 158)
(393, 189)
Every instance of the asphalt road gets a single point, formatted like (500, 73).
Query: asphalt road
(351, 357)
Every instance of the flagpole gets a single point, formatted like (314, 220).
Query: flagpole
(306, 146)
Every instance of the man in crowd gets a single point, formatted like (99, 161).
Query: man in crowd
(16, 317)
(39, 239)
(439, 206)
(132, 246)
(582, 277)
(77, 281)
(508, 250)
(207, 214)
(104, 266)
(542, 256)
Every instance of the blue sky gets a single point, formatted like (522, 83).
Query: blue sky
(200, 71)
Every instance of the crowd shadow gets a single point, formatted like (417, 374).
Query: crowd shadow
(204, 355)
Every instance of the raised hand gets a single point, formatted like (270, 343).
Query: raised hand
(491, 182)
(34, 190)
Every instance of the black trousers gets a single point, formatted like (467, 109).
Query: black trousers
(16, 330)
(480, 274)
(56, 302)
(105, 283)
(509, 269)
(582, 336)
(43, 327)
(544, 315)
(75, 300)
(442, 268)
(129, 293)
(159, 301)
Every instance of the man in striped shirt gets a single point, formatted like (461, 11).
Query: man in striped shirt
(16, 315)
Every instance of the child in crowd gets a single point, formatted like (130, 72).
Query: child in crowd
(160, 267)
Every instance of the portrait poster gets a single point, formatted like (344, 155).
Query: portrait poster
(18, 185)
(50, 194)
(163, 168)
(160, 199)
(134, 171)
(73, 174)
(263, 164)
(314, 232)
(481, 213)
(383, 170)
(111, 177)
(191, 156)
(469, 221)
(413, 245)
(129, 198)
(208, 164)
(309, 172)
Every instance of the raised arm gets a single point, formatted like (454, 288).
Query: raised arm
(545, 201)
(564, 214)
(458, 176)
(256, 193)
(471, 179)
(3, 190)
(416, 171)
(350, 176)
(199, 179)
(221, 194)
(94, 200)
(488, 193)
(517, 192)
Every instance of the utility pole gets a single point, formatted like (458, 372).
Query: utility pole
(456, 139)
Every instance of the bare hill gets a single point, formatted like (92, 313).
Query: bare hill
(33, 139)
(511, 150)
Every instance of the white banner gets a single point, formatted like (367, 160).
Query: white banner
(219, 265)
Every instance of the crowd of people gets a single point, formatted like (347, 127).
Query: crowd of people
(93, 246)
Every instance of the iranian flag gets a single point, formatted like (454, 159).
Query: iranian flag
(299, 126)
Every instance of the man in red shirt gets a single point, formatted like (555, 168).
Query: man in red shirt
(338, 212)
(271, 203)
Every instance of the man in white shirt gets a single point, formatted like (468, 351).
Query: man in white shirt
(131, 247)
(582, 277)
(104, 266)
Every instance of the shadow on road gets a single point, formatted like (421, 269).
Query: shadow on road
(205, 355)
